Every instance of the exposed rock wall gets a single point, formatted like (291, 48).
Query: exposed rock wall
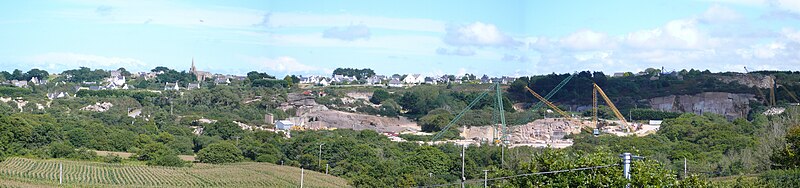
(730, 105)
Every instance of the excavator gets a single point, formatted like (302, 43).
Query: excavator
(597, 89)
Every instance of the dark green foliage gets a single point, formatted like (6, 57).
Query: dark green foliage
(253, 76)
(379, 96)
(435, 120)
(358, 73)
(84, 74)
(648, 114)
(7, 91)
(218, 153)
(160, 155)
(269, 83)
(223, 129)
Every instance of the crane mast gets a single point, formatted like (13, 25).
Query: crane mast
(610, 104)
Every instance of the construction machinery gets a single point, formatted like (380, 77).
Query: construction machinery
(553, 92)
(499, 110)
(551, 105)
(791, 94)
(610, 104)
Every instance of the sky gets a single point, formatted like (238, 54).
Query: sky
(512, 38)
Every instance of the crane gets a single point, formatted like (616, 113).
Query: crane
(551, 105)
(553, 92)
(610, 104)
(499, 106)
(791, 94)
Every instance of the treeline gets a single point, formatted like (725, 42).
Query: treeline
(358, 73)
(26, 76)
(627, 91)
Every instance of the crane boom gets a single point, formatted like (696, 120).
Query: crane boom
(791, 94)
(551, 105)
(611, 105)
(452, 122)
(554, 91)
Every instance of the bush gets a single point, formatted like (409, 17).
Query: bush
(218, 153)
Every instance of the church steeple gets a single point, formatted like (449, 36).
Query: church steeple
(193, 69)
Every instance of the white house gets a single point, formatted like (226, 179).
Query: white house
(414, 79)
(283, 125)
(171, 86)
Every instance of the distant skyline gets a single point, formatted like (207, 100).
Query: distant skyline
(497, 38)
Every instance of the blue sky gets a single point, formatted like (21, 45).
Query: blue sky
(429, 37)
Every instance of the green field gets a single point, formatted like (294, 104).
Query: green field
(21, 172)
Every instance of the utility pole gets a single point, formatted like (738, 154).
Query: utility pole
(626, 157)
(463, 148)
(320, 155)
(60, 173)
(326, 168)
(684, 168)
(302, 173)
(503, 154)
(485, 178)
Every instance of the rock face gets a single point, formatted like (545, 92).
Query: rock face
(759, 81)
(728, 104)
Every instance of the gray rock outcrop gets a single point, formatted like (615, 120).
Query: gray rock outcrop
(730, 105)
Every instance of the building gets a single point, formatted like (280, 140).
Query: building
(414, 79)
(199, 75)
(485, 79)
(222, 80)
(171, 86)
(283, 125)
(193, 86)
(395, 83)
(19, 83)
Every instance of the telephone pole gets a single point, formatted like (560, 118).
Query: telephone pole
(463, 148)
(319, 164)
(485, 178)
(302, 173)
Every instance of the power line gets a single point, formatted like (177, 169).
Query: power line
(528, 174)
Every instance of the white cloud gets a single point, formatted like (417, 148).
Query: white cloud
(478, 34)
(63, 61)
(348, 33)
(791, 34)
(287, 19)
(516, 58)
(676, 34)
(587, 40)
(719, 14)
(456, 52)
(790, 5)
(283, 64)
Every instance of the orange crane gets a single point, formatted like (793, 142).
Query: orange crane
(551, 105)
(610, 104)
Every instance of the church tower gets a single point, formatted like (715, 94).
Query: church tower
(193, 69)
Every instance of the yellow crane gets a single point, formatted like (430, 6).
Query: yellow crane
(610, 104)
(791, 94)
(551, 105)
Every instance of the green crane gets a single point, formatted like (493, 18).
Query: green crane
(499, 111)
(553, 92)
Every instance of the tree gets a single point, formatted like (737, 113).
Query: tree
(379, 96)
(160, 69)
(224, 129)
(37, 73)
(435, 120)
(221, 152)
(253, 75)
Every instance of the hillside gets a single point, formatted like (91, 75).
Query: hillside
(30, 173)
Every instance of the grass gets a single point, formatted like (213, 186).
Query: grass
(22, 172)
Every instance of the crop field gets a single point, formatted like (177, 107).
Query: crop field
(21, 172)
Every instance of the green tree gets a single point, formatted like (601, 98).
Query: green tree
(221, 152)
(379, 96)
(435, 120)
(224, 129)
